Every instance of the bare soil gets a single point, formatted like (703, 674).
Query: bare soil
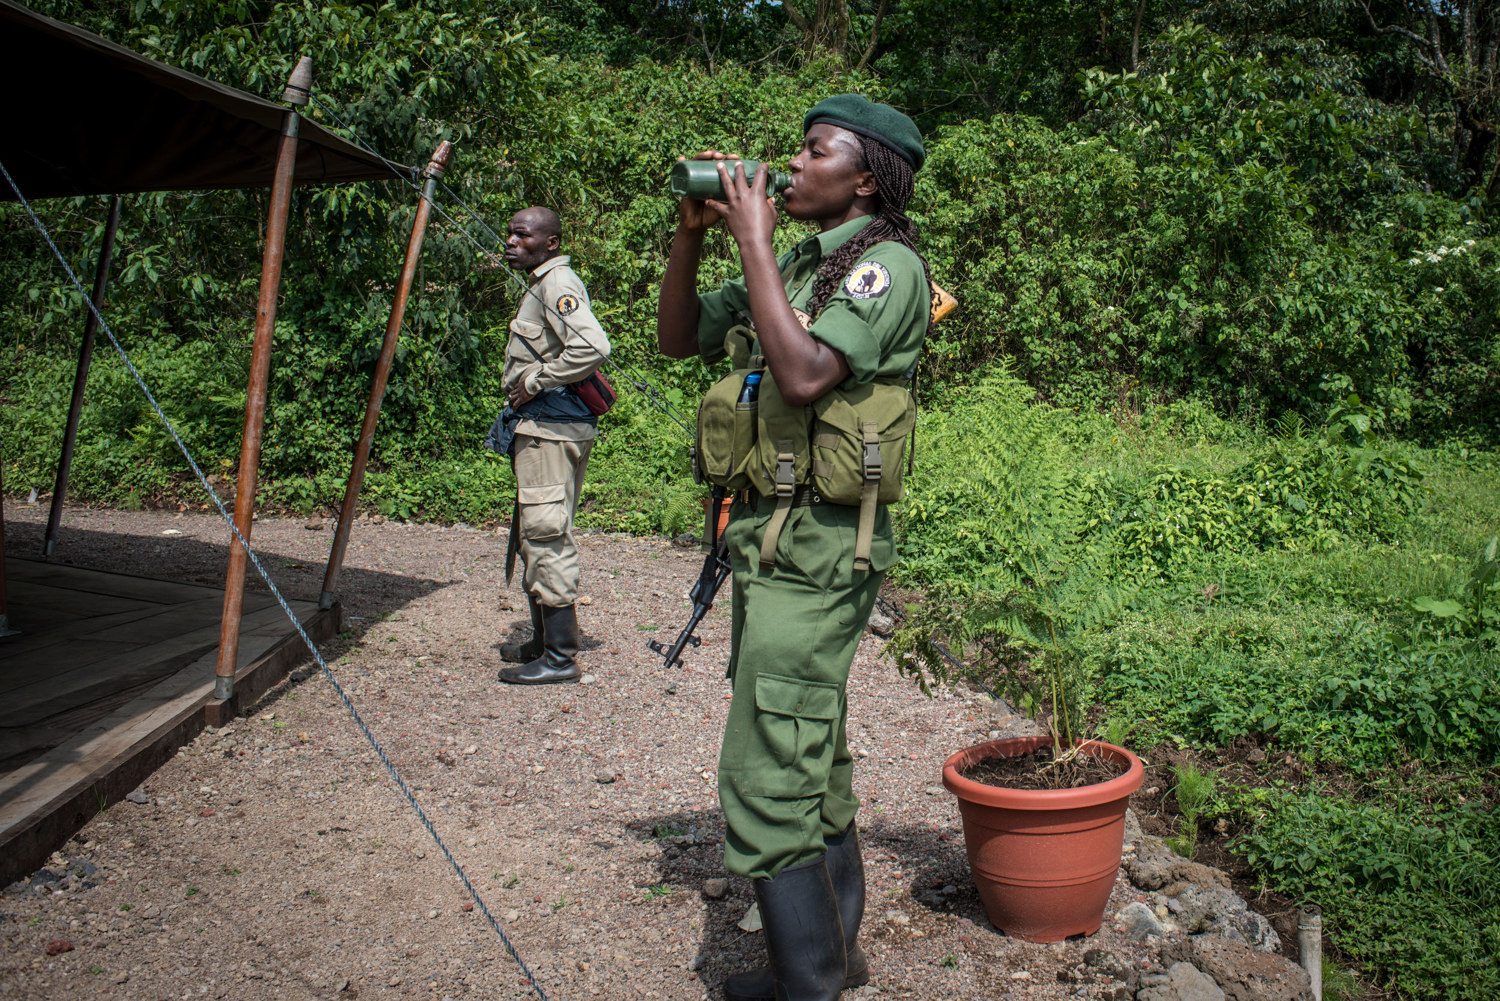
(276, 857)
(1040, 770)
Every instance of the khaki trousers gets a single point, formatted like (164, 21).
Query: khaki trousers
(549, 475)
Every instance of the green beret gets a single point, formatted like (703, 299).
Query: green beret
(880, 122)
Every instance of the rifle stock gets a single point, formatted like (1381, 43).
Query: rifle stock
(715, 571)
(710, 579)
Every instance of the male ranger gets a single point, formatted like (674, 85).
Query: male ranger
(555, 341)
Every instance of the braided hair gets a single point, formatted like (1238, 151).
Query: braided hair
(894, 182)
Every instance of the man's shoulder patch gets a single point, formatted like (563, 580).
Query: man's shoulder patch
(567, 304)
(868, 280)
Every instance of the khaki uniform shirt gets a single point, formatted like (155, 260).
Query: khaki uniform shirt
(557, 320)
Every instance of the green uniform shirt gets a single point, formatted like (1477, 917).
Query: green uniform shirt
(877, 318)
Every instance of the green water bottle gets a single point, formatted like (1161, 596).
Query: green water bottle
(700, 178)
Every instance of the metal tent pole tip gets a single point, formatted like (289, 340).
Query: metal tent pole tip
(438, 165)
(299, 85)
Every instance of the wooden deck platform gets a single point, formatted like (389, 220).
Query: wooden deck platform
(110, 675)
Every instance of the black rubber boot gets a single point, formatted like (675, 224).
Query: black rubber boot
(559, 647)
(520, 653)
(846, 871)
(804, 937)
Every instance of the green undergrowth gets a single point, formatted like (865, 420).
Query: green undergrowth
(1322, 590)
(1406, 874)
(639, 479)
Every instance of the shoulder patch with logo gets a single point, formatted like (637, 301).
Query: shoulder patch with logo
(567, 303)
(868, 280)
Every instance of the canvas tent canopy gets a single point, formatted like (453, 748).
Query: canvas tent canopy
(89, 117)
(85, 116)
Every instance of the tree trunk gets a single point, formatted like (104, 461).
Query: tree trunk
(827, 25)
(1135, 36)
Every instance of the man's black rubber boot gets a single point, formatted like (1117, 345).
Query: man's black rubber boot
(804, 938)
(520, 653)
(559, 647)
(846, 871)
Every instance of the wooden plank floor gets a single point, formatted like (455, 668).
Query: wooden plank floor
(109, 675)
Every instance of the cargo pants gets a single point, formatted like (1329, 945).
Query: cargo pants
(785, 772)
(549, 475)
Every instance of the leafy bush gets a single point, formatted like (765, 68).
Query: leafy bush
(1298, 495)
(1325, 685)
(1237, 227)
(1410, 890)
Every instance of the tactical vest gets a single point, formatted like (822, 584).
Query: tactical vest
(847, 445)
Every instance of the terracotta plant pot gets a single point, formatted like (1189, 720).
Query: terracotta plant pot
(708, 503)
(1044, 859)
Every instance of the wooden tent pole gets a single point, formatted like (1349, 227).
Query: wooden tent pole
(5, 629)
(296, 94)
(81, 378)
(435, 170)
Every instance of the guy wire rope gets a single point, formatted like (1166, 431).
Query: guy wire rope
(275, 591)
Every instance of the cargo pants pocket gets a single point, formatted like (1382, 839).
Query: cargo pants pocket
(544, 511)
(794, 724)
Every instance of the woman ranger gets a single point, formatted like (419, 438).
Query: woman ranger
(811, 450)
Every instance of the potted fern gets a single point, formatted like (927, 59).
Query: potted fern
(1043, 816)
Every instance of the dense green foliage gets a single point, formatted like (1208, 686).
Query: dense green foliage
(1324, 592)
(1420, 896)
(1241, 230)
(1209, 441)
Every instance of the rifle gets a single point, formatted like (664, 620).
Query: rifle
(715, 571)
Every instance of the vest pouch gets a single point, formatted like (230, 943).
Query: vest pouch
(739, 345)
(781, 453)
(879, 415)
(725, 444)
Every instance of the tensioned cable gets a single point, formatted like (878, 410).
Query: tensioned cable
(630, 374)
(276, 592)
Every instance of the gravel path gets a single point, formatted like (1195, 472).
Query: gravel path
(276, 859)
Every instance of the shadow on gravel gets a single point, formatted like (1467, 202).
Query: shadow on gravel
(185, 560)
(939, 878)
(192, 561)
(519, 631)
(691, 844)
(691, 855)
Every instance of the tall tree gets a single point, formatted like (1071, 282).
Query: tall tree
(830, 26)
(1456, 42)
